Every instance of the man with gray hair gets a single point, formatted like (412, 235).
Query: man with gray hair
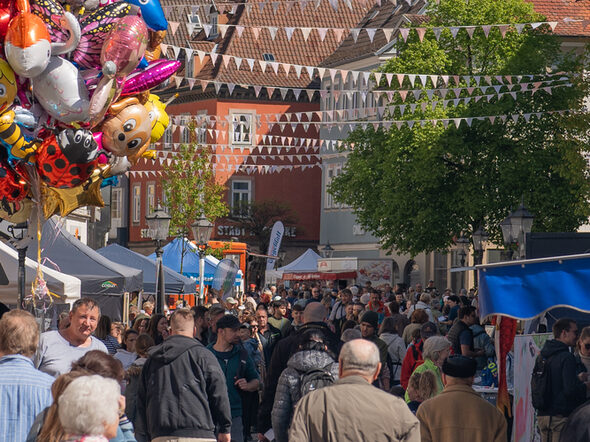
(24, 391)
(352, 408)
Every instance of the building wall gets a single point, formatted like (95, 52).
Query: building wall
(299, 188)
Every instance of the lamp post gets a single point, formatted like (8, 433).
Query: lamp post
(479, 237)
(515, 228)
(159, 225)
(19, 232)
(202, 230)
(327, 251)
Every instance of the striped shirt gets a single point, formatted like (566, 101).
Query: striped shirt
(24, 393)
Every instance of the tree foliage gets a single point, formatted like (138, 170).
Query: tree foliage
(190, 189)
(258, 218)
(418, 188)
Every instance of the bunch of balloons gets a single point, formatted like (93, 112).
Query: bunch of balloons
(75, 106)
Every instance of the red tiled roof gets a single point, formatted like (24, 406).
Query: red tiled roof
(294, 51)
(557, 10)
(388, 15)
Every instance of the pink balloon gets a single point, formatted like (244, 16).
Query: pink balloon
(125, 45)
(157, 72)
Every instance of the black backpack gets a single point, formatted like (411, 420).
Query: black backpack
(315, 379)
(541, 384)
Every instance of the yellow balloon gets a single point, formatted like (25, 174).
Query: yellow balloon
(20, 211)
(65, 201)
(158, 115)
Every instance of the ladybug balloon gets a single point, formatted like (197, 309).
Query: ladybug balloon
(68, 159)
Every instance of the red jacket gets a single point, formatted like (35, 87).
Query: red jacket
(412, 359)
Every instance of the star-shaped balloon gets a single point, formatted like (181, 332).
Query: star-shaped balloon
(65, 201)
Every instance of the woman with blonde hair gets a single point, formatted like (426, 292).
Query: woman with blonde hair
(421, 386)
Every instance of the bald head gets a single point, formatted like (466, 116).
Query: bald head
(315, 312)
(359, 357)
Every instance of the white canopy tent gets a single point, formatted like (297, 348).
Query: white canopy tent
(66, 286)
(307, 262)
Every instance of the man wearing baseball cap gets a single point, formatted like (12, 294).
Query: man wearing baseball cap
(239, 369)
(459, 413)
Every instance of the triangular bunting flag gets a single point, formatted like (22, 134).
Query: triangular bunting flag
(305, 32)
(255, 32)
(273, 32)
(173, 26)
(470, 30)
(289, 33)
(371, 33)
(421, 32)
(404, 33)
(322, 33)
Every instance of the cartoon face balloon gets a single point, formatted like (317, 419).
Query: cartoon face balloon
(158, 116)
(128, 131)
(68, 159)
(7, 85)
(125, 45)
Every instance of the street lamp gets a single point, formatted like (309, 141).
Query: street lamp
(202, 230)
(479, 237)
(327, 251)
(19, 233)
(158, 227)
(515, 228)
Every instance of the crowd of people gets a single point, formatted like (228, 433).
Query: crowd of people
(309, 363)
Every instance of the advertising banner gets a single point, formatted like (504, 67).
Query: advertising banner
(276, 235)
(224, 278)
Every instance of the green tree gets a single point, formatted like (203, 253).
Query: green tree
(417, 188)
(191, 190)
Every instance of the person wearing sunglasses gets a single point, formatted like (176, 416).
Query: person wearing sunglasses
(582, 353)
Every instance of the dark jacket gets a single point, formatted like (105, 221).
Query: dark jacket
(287, 393)
(278, 362)
(577, 429)
(567, 391)
(182, 392)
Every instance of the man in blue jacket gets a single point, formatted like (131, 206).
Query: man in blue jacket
(238, 368)
(567, 390)
(182, 391)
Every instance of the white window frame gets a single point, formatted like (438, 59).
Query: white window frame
(185, 136)
(243, 138)
(202, 130)
(213, 21)
(150, 198)
(195, 19)
(136, 203)
(167, 138)
(248, 193)
(332, 171)
(116, 203)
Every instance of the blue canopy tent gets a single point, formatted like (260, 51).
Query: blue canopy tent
(526, 289)
(172, 257)
(174, 281)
